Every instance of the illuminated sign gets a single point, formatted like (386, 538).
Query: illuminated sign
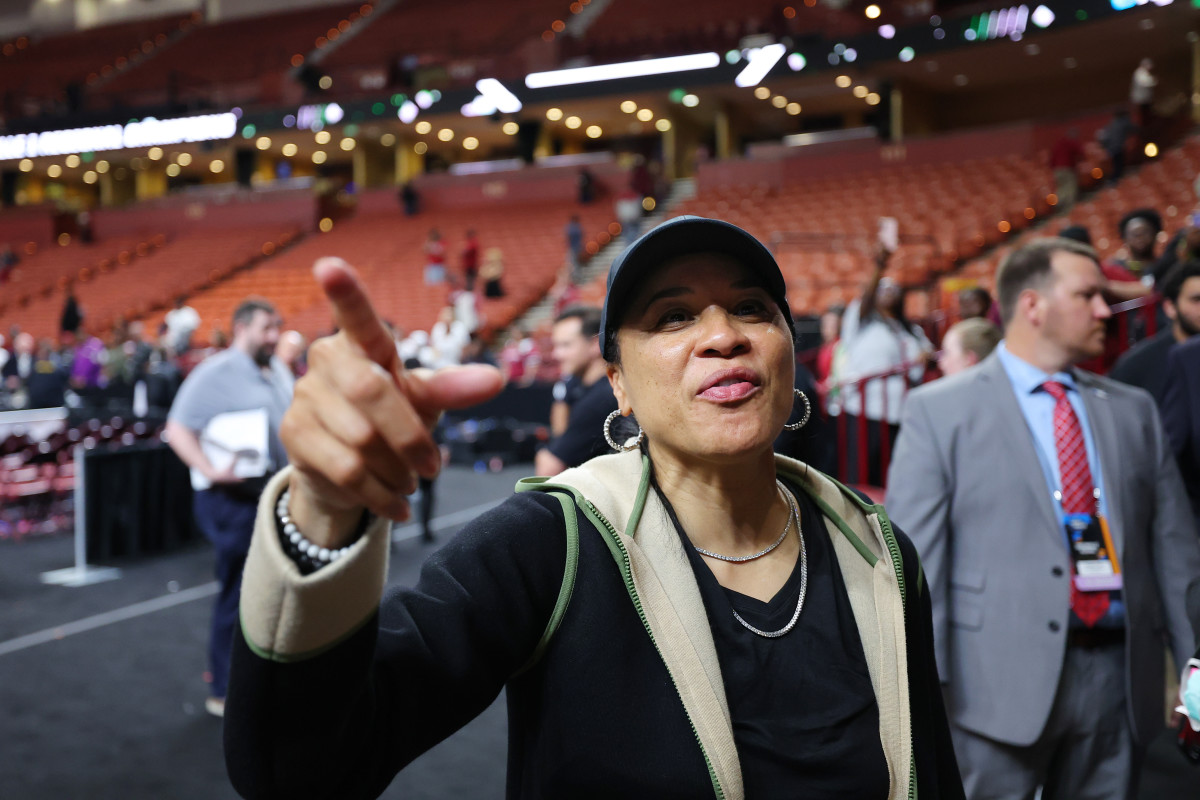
(143, 133)
(625, 69)
(317, 116)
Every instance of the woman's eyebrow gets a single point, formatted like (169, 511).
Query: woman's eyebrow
(670, 291)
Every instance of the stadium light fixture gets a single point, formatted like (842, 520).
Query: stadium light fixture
(1042, 17)
(762, 61)
(887, 31)
(625, 69)
(408, 111)
(493, 96)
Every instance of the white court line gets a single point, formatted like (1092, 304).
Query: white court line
(108, 618)
(409, 531)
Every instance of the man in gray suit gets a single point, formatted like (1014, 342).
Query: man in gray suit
(1017, 480)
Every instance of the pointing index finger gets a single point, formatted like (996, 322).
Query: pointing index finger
(353, 312)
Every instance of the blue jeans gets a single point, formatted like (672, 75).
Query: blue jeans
(228, 523)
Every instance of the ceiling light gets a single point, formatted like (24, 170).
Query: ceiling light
(907, 54)
(628, 106)
(691, 100)
(663, 125)
(154, 154)
(645, 114)
(172, 171)
(573, 122)
(594, 132)
(183, 159)
(887, 31)
(26, 165)
(54, 170)
(423, 127)
(628, 69)
(761, 63)
(843, 81)
(290, 150)
(347, 144)
(762, 93)
(860, 91)
(445, 134)
(872, 11)
(73, 160)
(470, 143)
(420, 148)
(797, 62)
(319, 157)
(388, 139)
(779, 101)
(216, 166)
(511, 128)
(90, 176)
(263, 143)
(323, 137)
(872, 99)
(554, 114)
(102, 166)
(793, 108)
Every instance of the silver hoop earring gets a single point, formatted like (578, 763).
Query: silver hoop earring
(795, 426)
(625, 447)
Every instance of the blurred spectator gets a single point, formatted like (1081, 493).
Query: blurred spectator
(628, 208)
(1065, 157)
(1114, 137)
(163, 377)
(1183, 246)
(1181, 415)
(585, 397)
(1139, 231)
(8, 260)
(574, 245)
(470, 261)
(1141, 91)
(587, 186)
(243, 379)
(16, 370)
(1145, 364)
(182, 321)
(877, 338)
(46, 385)
(72, 315)
(641, 181)
(87, 368)
(974, 302)
(492, 273)
(476, 352)
(448, 337)
(290, 352)
(83, 223)
(829, 354)
(519, 358)
(1119, 283)
(409, 199)
(435, 258)
(967, 343)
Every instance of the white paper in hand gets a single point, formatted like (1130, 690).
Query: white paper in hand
(238, 438)
(889, 233)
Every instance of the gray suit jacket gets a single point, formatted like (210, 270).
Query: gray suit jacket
(966, 485)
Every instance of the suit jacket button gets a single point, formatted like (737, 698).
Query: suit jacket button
(1054, 625)
(1057, 572)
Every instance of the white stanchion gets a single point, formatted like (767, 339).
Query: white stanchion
(82, 574)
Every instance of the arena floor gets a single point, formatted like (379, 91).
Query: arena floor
(102, 695)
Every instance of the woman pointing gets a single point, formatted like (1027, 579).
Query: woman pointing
(692, 616)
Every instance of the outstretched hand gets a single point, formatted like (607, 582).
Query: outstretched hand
(358, 431)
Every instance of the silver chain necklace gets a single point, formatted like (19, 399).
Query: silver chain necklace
(742, 559)
(803, 578)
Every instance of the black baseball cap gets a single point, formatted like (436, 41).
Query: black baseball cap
(683, 236)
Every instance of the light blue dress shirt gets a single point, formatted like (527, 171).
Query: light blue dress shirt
(1037, 406)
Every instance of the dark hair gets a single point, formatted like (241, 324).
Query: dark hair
(1077, 233)
(588, 316)
(980, 293)
(1148, 214)
(1178, 275)
(245, 310)
(1029, 266)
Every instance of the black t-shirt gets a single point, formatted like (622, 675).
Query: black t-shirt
(805, 719)
(584, 437)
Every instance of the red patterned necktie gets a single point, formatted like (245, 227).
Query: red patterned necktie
(1078, 495)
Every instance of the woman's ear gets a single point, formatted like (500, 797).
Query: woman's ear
(617, 379)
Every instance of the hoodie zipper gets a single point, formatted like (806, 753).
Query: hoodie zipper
(627, 575)
(889, 538)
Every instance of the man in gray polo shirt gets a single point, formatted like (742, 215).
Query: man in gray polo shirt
(216, 427)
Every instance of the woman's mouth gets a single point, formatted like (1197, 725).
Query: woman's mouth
(730, 385)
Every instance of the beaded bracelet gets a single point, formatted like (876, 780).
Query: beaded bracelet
(309, 557)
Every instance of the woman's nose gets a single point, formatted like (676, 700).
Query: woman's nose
(720, 333)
